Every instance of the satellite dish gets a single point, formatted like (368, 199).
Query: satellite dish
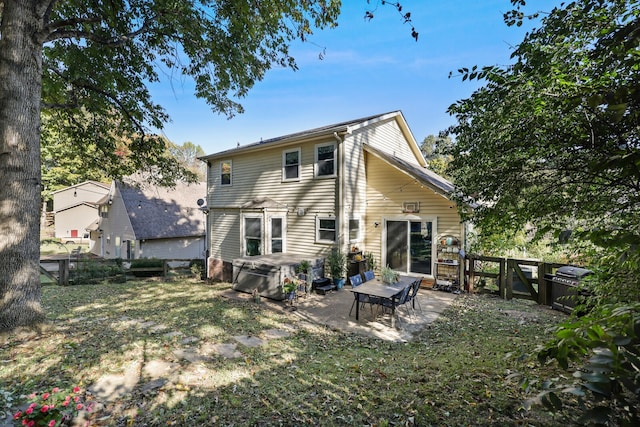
(200, 202)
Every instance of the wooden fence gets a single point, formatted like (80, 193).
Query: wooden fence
(62, 268)
(507, 272)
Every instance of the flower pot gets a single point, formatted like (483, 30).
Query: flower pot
(339, 282)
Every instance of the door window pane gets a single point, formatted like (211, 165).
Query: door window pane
(276, 235)
(420, 246)
(253, 236)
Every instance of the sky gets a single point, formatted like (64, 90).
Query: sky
(368, 67)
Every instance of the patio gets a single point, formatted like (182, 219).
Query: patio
(332, 310)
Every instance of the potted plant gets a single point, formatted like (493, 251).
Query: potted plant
(337, 262)
(388, 275)
(289, 288)
(304, 276)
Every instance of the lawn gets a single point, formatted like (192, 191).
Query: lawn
(464, 369)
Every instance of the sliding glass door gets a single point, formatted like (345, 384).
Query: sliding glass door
(409, 245)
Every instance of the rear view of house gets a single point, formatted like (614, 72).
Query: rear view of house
(361, 183)
(76, 208)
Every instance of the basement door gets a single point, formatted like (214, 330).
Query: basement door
(409, 245)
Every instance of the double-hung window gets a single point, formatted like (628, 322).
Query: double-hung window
(325, 165)
(326, 230)
(291, 165)
(225, 172)
(354, 230)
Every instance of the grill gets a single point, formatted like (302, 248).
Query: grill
(565, 287)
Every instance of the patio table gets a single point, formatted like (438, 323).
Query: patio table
(377, 288)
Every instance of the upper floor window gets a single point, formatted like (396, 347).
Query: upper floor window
(325, 160)
(291, 165)
(225, 172)
(104, 211)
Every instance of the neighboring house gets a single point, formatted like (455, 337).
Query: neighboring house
(360, 183)
(151, 222)
(75, 208)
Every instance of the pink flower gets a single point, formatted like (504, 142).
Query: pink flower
(55, 390)
(76, 398)
(24, 422)
(29, 410)
(45, 396)
(33, 405)
(52, 423)
(32, 396)
(76, 389)
(31, 423)
(65, 403)
(17, 415)
(44, 409)
(79, 406)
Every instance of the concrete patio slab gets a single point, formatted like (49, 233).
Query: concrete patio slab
(332, 310)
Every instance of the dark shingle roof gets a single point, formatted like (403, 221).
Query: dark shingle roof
(161, 213)
(309, 133)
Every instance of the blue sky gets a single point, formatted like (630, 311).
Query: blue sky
(369, 67)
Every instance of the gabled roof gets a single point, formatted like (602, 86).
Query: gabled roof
(320, 132)
(423, 175)
(75, 205)
(82, 184)
(162, 213)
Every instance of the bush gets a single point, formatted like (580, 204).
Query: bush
(143, 263)
(94, 271)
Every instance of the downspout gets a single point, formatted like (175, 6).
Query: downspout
(340, 201)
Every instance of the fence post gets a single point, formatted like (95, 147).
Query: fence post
(509, 279)
(63, 272)
(472, 272)
(544, 287)
(165, 267)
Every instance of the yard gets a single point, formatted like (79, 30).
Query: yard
(177, 353)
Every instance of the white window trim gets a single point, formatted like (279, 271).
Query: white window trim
(284, 233)
(434, 234)
(358, 239)
(230, 175)
(284, 165)
(243, 236)
(320, 218)
(335, 160)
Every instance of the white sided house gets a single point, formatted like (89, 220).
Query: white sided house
(361, 183)
(75, 208)
(143, 221)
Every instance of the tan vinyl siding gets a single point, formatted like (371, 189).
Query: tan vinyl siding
(388, 138)
(225, 237)
(387, 189)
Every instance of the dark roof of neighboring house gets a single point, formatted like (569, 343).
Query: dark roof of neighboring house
(425, 176)
(163, 213)
(310, 133)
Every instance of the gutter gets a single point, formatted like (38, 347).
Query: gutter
(340, 202)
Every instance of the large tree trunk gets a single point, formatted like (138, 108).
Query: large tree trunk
(20, 87)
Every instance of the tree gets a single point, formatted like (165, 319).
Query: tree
(85, 63)
(78, 59)
(434, 149)
(187, 155)
(554, 138)
(554, 141)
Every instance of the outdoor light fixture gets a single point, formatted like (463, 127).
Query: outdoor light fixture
(75, 193)
(376, 224)
(139, 205)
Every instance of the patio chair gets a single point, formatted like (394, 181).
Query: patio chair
(413, 294)
(369, 275)
(400, 300)
(357, 298)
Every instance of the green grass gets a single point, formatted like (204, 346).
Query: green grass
(464, 369)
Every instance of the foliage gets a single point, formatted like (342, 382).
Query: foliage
(304, 266)
(337, 263)
(434, 149)
(372, 264)
(552, 140)
(456, 372)
(197, 268)
(388, 275)
(92, 271)
(51, 409)
(607, 384)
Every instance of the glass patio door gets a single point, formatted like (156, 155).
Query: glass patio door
(409, 245)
